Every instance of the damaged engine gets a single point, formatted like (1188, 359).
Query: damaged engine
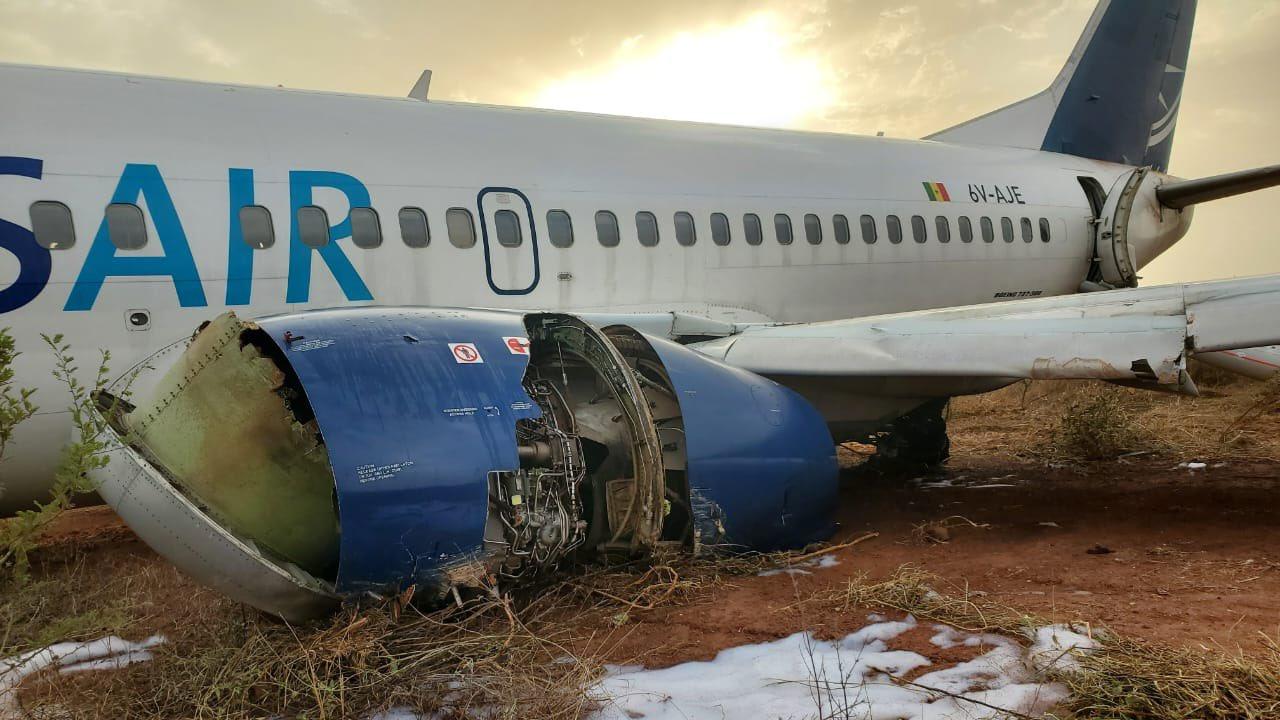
(306, 459)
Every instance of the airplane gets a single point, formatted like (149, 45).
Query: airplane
(481, 341)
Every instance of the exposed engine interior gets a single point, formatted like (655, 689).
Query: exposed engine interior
(593, 475)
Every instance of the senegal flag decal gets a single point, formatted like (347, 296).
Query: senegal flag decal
(937, 192)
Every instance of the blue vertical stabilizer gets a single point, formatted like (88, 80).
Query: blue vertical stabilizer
(1116, 99)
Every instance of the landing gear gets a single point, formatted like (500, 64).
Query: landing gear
(916, 442)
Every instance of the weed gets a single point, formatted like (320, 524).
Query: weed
(18, 536)
(15, 403)
(1097, 426)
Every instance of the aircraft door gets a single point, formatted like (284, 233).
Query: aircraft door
(510, 241)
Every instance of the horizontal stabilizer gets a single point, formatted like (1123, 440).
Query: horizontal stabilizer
(1141, 334)
(1178, 195)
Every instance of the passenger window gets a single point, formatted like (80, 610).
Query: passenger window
(943, 225)
(560, 228)
(720, 228)
(841, 224)
(751, 226)
(966, 229)
(607, 228)
(126, 226)
(988, 232)
(461, 228)
(686, 233)
(507, 223)
(52, 226)
(813, 229)
(1044, 230)
(647, 228)
(256, 228)
(919, 230)
(313, 226)
(366, 229)
(782, 228)
(413, 227)
(895, 229)
(1006, 229)
(1028, 234)
(868, 224)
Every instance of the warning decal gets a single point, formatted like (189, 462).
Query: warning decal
(465, 353)
(517, 345)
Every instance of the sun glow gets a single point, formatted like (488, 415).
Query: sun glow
(753, 73)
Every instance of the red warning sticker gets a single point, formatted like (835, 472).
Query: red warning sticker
(517, 345)
(465, 353)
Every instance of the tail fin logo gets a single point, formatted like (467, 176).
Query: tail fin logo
(1163, 128)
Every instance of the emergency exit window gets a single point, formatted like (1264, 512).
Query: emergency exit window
(508, 227)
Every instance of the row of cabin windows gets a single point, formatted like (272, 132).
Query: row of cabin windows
(51, 223)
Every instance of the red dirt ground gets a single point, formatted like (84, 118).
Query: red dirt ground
(1195, 556)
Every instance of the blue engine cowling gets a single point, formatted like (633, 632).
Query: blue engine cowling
(469, 447)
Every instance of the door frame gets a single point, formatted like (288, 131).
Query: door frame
(484, 237)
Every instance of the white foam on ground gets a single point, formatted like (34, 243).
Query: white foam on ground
(799, 676)
(110, 652)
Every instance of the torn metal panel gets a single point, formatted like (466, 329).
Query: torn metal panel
(221, 424)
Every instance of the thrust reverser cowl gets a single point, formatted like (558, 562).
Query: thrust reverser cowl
(314, 457)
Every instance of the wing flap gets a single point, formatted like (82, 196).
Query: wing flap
(1140, 335)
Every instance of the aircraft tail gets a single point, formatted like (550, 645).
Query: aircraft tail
(1117, 97)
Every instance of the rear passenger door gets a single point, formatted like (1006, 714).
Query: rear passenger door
(510, 241)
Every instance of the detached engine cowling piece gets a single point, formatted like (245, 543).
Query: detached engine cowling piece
(308, 458)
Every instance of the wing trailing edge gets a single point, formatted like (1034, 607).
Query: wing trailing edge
(1140, 335)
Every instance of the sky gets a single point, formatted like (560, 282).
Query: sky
(850, 66)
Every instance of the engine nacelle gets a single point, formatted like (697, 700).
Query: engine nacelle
(307, 458)
(1134, 227)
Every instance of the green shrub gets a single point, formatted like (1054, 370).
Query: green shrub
(1098, 425)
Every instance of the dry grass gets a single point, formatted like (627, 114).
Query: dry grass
(1237, 420)
(1130, 680)
(522, 655)
(1123, 680)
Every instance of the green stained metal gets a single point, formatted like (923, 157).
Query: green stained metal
(275, 486)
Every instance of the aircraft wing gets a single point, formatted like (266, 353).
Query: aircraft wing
(1141, 335)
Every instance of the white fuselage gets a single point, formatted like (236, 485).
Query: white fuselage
(204, 150)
